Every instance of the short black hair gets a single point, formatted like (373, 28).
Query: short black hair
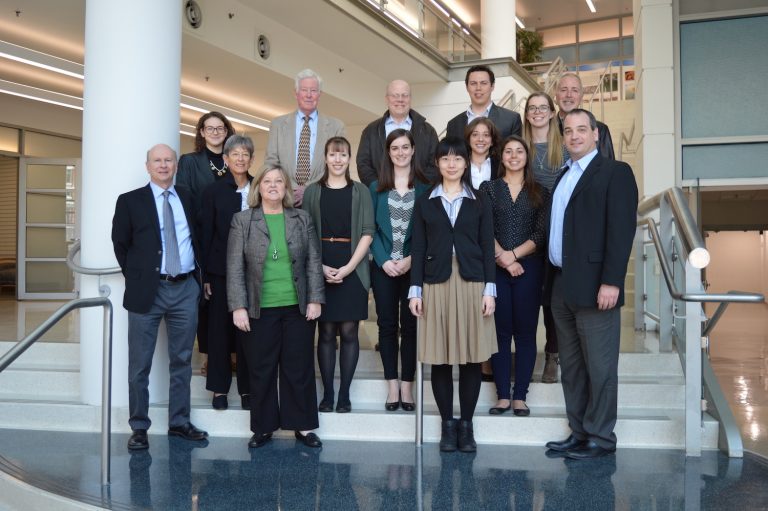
(575, 111)
(482, 68)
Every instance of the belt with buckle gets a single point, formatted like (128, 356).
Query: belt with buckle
(336, 240)
(177, 278)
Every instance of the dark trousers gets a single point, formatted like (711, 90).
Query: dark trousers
(176, 302)
(517, 315)
(280, 346)
(391, 297)
(589, 359)
(222, 341)
(549, 328)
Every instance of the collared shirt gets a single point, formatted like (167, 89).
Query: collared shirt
(480, 173)
(391, 125)
(183, 234)
(312, 132)
(560, 199)
(244, 196)
(471, 116)
(452, 208)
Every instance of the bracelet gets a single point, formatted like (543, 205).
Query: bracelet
(513, 253)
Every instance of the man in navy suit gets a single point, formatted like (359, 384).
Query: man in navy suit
(154, 243)
(480, 82)
(592, 225)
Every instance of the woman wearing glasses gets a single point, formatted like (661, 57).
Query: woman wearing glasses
(196, 171)
(547, 156)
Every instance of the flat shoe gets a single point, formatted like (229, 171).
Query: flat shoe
(588, 450)
(565, 445)
(310, 439)
(343, 407)
(498, 410)
(522, 412)
(257, 441)
(220, 402)
(325, 406)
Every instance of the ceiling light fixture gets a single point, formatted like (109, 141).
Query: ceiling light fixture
(440, 8)
(40, 60)
(203, 107)
(591, 6)
(43, 95)
(519, 23)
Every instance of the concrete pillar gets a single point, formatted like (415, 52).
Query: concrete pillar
(499, 31)
(131, 102)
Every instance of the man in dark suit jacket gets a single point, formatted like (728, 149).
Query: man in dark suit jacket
(568, 96)
(154, 243)
(480, 82)
(592, 225)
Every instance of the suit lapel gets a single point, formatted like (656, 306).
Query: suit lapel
(289, 133)
(592, 169)
(148, 199)
(319, 154)
(291, 224)
(258, 221)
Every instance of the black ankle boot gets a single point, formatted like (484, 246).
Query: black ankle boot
(466, 437)
(448, 440)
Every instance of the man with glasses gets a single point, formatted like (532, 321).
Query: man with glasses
(297, 140)
(480, 82)
(398, 115)
(568, 96)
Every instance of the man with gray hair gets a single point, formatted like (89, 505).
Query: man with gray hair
(568, 96)
(297, 140)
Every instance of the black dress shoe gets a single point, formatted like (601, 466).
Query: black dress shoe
(257, 441)
(188, 432)
(588, 450)
(310, 439)
(566, 445)
(138, 440)
(220, 402)
(498, 410)
(466, 437)
(449, 436)
(522, 412)
(325, 406)
(245, 402)
(408, 407)
(343, 407)
(487, 377)
(393, 406)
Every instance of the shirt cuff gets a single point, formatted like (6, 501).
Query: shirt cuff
(490, 289)
(415, 292)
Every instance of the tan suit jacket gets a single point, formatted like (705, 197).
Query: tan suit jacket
(281, 145)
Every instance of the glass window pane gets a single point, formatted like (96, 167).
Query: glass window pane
(725, 161)
(603, 50)
(627, 26)
(605, 29)
(49, 277)
(628, 46)
(50, 146)
(559, 36)
(9, 139)
(47, 176)
(46, 208)
(47, 242)
(723, 63)
(567, 53)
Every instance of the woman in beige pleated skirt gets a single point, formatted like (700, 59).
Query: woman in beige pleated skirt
(453, 289)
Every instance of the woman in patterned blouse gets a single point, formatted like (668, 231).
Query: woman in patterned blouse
(520, 228)
(400, 183)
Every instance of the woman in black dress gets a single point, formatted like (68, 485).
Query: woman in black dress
(343, 216)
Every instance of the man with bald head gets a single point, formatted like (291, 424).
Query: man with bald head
(154, 241)
(568, 96)
(398, 115)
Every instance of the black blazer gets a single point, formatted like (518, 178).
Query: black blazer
(220, 202)
(598, 229)
(434, 238)
(506, 121)
(138, 245)
(195, 175)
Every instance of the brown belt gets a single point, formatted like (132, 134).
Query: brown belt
(337, 240)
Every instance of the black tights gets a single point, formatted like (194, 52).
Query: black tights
(470, 379)
(348, 355)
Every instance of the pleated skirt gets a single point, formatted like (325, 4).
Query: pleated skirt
(452, 329)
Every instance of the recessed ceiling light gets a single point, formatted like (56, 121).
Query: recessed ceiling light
(591, 6)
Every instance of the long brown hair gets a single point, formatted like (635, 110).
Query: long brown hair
(336, 144)
(199, 140)
(554, 138)
(386, 179)
(493, 151)
(531, 187)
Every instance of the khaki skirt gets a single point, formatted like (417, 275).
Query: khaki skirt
(452, 329)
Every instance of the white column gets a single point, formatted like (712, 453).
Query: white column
(131, 102)
(498, 29)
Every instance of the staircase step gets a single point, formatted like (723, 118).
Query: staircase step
(45, 383)
(45, 354)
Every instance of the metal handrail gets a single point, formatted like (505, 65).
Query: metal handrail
(73, 250)
(106, 390)
(626, 141)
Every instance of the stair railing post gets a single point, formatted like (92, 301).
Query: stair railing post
(666, 303)
(106, 396)
(693, 387)
(419, 392)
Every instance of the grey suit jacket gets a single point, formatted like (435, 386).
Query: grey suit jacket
(247, 251)
(281, 145)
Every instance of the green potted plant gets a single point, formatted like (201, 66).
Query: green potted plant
(529, 46)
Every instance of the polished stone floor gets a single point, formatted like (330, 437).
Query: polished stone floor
(223, 475)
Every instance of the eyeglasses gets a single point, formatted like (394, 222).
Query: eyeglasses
(215, 129)
(532, 109)
(237, 155)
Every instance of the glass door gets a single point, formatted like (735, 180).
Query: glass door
(48, 225)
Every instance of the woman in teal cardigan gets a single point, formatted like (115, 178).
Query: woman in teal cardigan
(394, 194)
(343, 217)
